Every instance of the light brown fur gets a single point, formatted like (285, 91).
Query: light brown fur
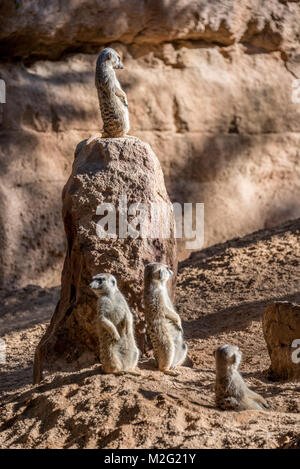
(232, 393)
(112, 99)
(118, 351)
(163, 322)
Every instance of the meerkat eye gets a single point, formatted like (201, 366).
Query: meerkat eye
(113, 281)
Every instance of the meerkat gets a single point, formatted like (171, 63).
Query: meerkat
(163, 322)
(112, 99)
(118, 351)
(232, 393)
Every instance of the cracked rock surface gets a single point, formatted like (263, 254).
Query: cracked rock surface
(211, 87)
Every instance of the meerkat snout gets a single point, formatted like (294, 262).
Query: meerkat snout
(96, 284)
(120, 65)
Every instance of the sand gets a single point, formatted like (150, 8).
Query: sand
(221, 295)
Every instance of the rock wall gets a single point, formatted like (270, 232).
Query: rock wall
(209, 84)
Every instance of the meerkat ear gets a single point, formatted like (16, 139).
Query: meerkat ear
(161, 274)
(108, 55)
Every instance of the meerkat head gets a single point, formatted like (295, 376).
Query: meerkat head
(227, 356)
(103, 283)
(111, 57)
(158, 273)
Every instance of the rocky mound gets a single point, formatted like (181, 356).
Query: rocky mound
(110, 177)
(221, 295)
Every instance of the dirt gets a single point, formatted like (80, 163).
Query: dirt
(221, 295)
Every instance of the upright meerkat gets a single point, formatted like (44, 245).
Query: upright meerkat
(232, 393)
(112, 99)
(163, 322)
(118, 350)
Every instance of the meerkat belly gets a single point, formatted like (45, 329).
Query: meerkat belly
(109, 347)
(227, 394)
(179, 344)
(105, 339)
(117, 320)
(125, 113)
(159, 335)
(113, 113)
(124, 346)
(105, 346)
(126, 119)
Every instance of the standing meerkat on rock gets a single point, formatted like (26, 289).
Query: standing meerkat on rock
(118, 351)
(112, 99)
(232, 393)
(163, 322)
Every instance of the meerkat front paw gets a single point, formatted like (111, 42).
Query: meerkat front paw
(171, 372)
(135, 372)
(263, 402)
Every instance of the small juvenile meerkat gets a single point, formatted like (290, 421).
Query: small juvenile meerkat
(163, 322)
(232, 393)
(118, 351)
(112, 99)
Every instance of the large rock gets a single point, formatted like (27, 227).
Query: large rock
(281, 328)
(103, 171)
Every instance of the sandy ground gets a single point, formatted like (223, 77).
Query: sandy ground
(221, 295)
